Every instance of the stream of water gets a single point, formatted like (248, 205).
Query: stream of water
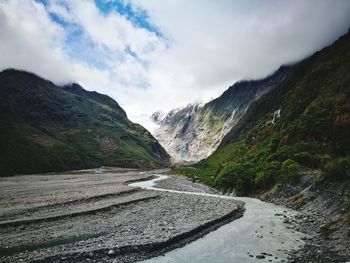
(259, 230)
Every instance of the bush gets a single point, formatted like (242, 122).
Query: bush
(323, 159)
(267, 176)
(262, 179)
(312, 160)
(289, 170)
(306, 159)
(238, 177)
(338, 168)
(283, 153)
(347, 201)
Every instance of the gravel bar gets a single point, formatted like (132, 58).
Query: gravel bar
(122, 226)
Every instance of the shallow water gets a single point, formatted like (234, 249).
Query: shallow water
(258, 231)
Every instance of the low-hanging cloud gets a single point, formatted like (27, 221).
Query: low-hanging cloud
(201, 48)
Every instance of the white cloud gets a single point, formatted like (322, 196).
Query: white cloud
(113, 30)
(29, 40)
(219, 41)
(207, 45)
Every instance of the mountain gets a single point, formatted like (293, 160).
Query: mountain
(194, 132)
(303, 123)
(292, 147)
(46, 128)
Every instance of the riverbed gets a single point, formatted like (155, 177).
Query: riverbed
(122, 215)
(101, 215)
(259, 236)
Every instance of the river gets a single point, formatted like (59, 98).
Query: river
(259, 232)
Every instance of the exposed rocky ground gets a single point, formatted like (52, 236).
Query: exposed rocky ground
(93, 216)
(324, 215)
(182, 183)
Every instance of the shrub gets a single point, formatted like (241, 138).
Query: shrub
(283, 153)
(338, 168)
(268, 174)
(262, 179)
(306, 159)
(237, 176)
(289, 170)
(323, 159)
(347, 201)
(312, 160)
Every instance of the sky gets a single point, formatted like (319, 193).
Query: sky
(152, 55)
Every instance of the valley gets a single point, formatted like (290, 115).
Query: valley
(194, 132)
(258, 172)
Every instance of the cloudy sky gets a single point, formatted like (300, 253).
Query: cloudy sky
(154, 55)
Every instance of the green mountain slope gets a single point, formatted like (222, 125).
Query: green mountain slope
(49, 128)
(304, 122)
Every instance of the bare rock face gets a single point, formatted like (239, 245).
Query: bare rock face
(194, 132)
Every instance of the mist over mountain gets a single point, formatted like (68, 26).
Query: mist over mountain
(302, 117)
(194, 132)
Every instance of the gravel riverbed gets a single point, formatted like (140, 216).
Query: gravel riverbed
(96, 215)
(182, 183)
(86, 216)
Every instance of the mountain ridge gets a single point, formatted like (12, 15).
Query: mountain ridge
(193, 132)
(292, 147)
(314, 103)
(51, 128)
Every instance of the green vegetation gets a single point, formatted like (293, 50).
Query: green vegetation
(347, 201)
(313, 130)
(48, 128)
(338, 168)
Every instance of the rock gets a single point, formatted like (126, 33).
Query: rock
(260, 256)
(176, 128)
(111, 252)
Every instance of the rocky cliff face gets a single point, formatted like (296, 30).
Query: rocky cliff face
(194, 132)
